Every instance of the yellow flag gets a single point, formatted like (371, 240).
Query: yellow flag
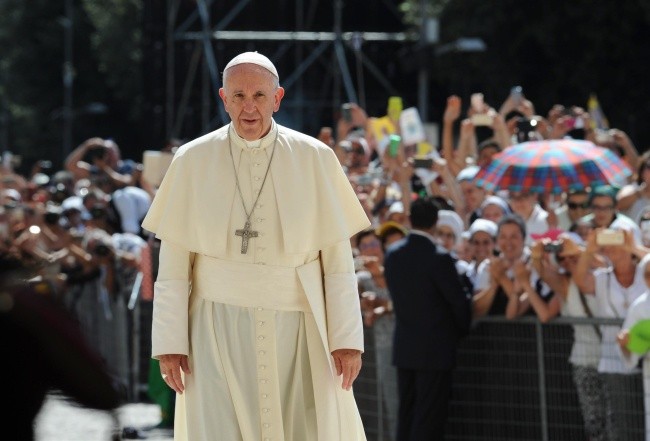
(599, 121)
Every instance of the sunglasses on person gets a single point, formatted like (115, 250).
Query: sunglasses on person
(576, 205)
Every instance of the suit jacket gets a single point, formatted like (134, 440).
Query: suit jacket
(431, 308)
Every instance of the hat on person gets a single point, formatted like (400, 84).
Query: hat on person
(484, 225)
(40, 179)
(603, 190)
(253, 58)
(452, 220)
(498, 201)
(11, 193)
(468, 173)
(388, 227)
(395, 207)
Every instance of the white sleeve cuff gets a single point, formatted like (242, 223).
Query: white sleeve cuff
(169, 332)
(344, 326)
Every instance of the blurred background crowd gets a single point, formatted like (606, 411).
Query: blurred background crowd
(530, 244)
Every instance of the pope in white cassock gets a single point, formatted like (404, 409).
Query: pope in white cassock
(256, 317)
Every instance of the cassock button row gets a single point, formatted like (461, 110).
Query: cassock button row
(257, 178)
(263, 381)
(260, 337)
(261, 352)
(265, 410)
(257, 164)
(267, 425)
(262, 367)
(265, 395)
(261, 323)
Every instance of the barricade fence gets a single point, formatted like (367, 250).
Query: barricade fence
(513, 381)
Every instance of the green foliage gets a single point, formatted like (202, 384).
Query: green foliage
(106, 63)
(117, 43)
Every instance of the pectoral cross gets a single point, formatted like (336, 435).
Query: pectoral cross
(246, 233)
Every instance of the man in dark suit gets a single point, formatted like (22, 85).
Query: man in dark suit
(432, 313)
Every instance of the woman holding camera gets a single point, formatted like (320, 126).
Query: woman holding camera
(555, 262)
(615, 287)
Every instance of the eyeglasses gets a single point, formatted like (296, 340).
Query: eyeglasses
(576, 205)
(602, 207)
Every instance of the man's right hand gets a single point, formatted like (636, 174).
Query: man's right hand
(170, 369)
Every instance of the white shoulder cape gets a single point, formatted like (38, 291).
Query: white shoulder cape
(316, 203)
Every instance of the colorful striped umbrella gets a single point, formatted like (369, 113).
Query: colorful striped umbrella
(553, 166)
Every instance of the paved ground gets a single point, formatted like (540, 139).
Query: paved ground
(60, 420)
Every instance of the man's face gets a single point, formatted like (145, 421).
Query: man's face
(604, 210)
(472, 194)
(357, 156)
(577, 206)
(522, 203)
(250, 97)
(485, 156)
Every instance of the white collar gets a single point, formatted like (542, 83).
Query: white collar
(425, 234)
(262, 143)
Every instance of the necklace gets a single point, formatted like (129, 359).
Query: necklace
(247, 232)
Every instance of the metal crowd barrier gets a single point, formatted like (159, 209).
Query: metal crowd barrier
(118, 326)
(513, 381)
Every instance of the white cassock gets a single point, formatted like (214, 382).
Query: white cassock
(640, 310)
(259, 327)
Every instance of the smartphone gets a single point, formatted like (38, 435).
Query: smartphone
(346, 112)
(482, 119)
(393, 147)
(517, 94)
(476, 101)
(610, 237)
(423, 163)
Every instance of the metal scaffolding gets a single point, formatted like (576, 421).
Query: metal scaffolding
(197, 77)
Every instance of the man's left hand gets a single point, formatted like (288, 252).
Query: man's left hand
(348, 363)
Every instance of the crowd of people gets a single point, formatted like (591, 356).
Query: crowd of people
(515, 253)
(518, 253)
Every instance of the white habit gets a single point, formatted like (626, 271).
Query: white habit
(261, 325)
